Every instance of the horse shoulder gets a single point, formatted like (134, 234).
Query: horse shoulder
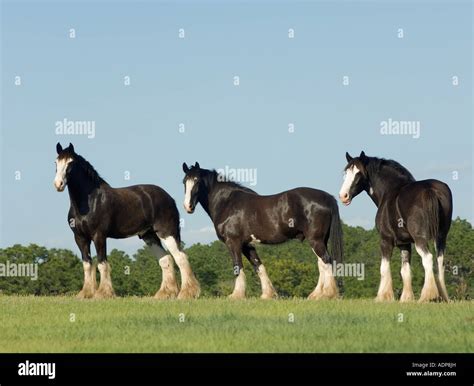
(383, 219)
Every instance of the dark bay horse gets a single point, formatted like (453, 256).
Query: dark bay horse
(98, 211)
(243, 218)
(409, 211)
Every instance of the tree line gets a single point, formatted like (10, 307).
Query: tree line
(291, 266)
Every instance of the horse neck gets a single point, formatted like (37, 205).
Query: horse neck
(212, 199)
(384, 186)
(80, 188)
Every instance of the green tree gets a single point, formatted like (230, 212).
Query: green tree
(292, 267)
(59, 271)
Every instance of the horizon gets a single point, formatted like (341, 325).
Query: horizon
(131, 254)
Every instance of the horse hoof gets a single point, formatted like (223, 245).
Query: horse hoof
(407, 297)
(384, 298)
(166, 294)
(236, 296)
(85, 294)
(427, 299)
(316, 295)
(189, 293)
(104, 294)
(428, 295)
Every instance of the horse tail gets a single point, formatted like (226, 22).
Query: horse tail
(432, 214)
(335, 234)
(445, 199)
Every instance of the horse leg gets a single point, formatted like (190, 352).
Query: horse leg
(169, 287)
(440, 246)
(239, 288)
(407, 293)
(430, 289)
(326, 287)
(190, 287)
(385, 292)
(105, 287)
(89, 287)
(268, 291)
(318, 291)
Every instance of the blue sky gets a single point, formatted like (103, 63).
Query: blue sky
(190, 81)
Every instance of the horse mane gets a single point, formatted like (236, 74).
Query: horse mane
(91, 173)
(377, 164)
(212, 177)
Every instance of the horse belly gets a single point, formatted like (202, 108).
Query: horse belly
(270, 233)
(124, 226)
(272, 229)
(268, 239)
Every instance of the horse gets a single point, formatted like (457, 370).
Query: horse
(409, 211)
(242, 218)
(98, 211)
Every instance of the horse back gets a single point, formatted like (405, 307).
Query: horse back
(127, 211)
(275, 217)
(153, 201)
(296, 200)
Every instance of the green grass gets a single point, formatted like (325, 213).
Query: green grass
(43, 324)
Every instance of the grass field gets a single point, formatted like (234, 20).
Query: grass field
(64, 324)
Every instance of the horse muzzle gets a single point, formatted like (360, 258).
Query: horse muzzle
(345, 199)
(59, 186)
(189, 209)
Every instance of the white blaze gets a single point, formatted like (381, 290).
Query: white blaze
(348, 181)
(187, 193)
(60, 180)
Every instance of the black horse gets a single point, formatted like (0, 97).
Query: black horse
(243, 218)
(409, 211)
(99, 211)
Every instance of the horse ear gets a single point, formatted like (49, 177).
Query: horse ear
(185, 167)
(362, 154)
(196, 165)
(71, 147)
(59, 148)
(348, 157)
